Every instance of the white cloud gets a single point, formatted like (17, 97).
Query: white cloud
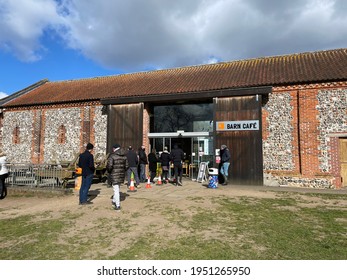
(22, 25)
(134, 35)
(3, 95)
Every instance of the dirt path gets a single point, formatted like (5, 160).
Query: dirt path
(154, 211)
(165, 195)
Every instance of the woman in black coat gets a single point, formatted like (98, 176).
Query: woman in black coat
(152, 164)
(165, 164)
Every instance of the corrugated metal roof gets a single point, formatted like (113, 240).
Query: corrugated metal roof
(310, 67)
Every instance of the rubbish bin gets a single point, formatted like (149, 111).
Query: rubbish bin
(213, 178)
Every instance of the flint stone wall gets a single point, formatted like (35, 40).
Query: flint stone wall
(54, 118)
(100, 131)
(18, 153)
(70, 118)
(278, 147)
(332, 116)
(316, 183)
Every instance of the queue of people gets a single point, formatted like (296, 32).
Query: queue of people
(128, 164)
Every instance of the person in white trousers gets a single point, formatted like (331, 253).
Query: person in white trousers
(117, 165)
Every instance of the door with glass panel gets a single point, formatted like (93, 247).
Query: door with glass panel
(202, 151)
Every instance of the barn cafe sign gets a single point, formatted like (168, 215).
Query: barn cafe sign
(237, 125)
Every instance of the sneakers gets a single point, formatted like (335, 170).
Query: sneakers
(115, 206)
(86, 203)
(179, 183)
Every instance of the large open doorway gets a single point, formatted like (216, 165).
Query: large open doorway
(188, 125)
(197, 148)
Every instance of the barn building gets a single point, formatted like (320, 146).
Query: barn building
(281, 115)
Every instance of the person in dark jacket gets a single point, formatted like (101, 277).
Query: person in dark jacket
(225, 162)
(143, 161)
(133, 161)
(165, 164)
(152, 164)
(117, 164)
(86, 162)
(177, 156)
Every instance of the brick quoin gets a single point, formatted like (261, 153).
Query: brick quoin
(146, 129)
(308, 132)
(295, 132)
(335, 161)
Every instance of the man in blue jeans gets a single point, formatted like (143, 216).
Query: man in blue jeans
(143, 161)
(225, 162)
(86, 162)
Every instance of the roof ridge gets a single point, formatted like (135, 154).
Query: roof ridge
(308, 67)
(169, 70)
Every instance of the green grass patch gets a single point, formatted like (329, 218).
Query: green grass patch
(285, 228)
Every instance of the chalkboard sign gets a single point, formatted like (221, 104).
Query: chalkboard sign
(202, 172)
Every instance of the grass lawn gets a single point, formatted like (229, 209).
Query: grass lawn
(292, 226)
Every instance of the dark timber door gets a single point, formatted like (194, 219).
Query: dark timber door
(245, 145)
(125, 125)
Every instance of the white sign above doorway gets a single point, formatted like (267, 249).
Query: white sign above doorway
(237, 125)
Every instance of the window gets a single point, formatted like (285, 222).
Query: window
(15, 135)
(187, 117)
(62, 134)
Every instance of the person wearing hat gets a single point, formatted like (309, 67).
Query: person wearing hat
(225, 162)
(3, 175)
(86, 162)
(165, 164)
(117, 164)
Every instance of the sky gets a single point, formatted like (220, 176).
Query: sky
(72, 39)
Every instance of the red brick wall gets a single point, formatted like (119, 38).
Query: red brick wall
(306, 135)
(308, 132)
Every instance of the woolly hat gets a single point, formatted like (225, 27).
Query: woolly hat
(223, 147)
(90, 146)
(116, 146)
